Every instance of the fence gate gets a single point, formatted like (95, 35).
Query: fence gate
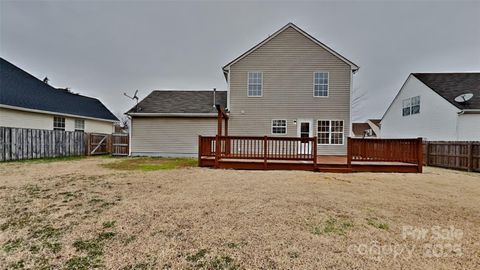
(98, 144)
(120, 144)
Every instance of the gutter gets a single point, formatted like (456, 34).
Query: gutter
(56, 113)
(469, 111)
(173, 114)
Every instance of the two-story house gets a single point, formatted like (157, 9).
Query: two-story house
(436, 107)
(290, 84)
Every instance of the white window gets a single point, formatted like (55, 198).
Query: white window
(255, 82)
(330, 132)
(279, 126)
(58, 123)
(79, 125)
(320, 84)
(411, 106)
(415, 105)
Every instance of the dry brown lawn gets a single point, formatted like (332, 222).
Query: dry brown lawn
(85, 214)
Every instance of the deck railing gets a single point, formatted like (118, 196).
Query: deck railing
(386, 150)
(257, 147)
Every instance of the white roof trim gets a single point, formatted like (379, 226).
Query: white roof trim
(54, 113)
(352, 65)
(173, 114)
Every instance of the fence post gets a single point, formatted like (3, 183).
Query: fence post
(470, 156)
(315, 153)
(265, 152)
(420, 154)
(349, 152)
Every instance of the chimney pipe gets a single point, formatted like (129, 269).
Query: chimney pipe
(214, 97)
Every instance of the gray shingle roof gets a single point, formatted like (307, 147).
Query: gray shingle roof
(451, 85)
(20, 89)
(176, 101)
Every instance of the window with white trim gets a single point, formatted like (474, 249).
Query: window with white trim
(79, 125)
(279, 126)
(330, 132)
(320, 84)
(411, 106)
(255, 84)
(58, 123)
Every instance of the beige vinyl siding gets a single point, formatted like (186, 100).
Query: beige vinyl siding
(169, 136)
(288, 63)
(35, 120)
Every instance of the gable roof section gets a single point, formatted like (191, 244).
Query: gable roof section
(164, 102)
(451, 85)
(316, 41)
(19, 89)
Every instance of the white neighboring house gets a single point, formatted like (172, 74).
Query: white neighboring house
(426, 107)
(27, 102)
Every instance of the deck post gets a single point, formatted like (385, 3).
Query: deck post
(199, 150)
(219, 123)
(217, 150)
(265, 151)
(315, 153)
(420, 154)
(349, 152)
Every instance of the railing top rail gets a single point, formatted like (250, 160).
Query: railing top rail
(268, 138)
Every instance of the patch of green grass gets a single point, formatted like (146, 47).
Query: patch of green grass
(293, 254)
(93, 252)
(333, 226)
(93, 248)
(197, 256)
(12, 245)
(47, 160)
(201, 260)
(82, 263)
(108, 224)
(374, 222)
(151, 163)
(222, 262)
(17, 265)
(46, 232)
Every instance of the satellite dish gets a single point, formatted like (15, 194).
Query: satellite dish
(464, 98)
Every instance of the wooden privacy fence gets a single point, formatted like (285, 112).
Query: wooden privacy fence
(23, 143)
(461, 155)
(386, 150)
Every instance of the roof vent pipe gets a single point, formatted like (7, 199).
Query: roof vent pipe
(214, 96)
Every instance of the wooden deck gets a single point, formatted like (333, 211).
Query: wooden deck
(273, 153)
(334, 164)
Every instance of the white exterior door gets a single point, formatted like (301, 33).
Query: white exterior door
(305, 130)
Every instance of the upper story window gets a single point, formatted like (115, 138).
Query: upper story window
(255, 84)
(58, 123)
(279, 126)
(330, 132)
(320, 84)
(411, 106)
(79, 125)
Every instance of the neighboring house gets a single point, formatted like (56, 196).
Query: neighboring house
(430, 105)
(27, 102)
(167, 123)
(290, 84)
(369, 129)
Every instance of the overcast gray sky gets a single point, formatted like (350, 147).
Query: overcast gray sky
(105, 48)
